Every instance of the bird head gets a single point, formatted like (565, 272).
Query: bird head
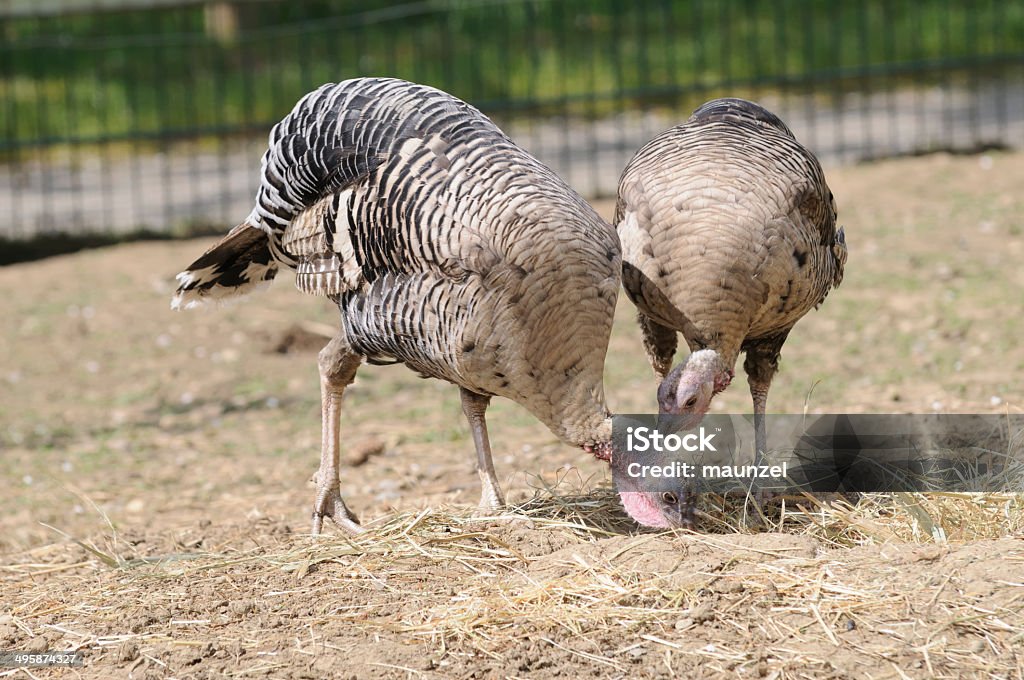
(688, 389)
(668, 506)
(661, 509)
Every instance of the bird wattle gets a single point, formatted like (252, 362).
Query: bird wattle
(643, 509)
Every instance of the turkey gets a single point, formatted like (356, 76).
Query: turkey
(729, 237)
(446, 248)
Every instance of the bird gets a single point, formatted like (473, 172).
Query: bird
(446, 248)
(729, 237)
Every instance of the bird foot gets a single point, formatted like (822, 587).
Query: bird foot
(489, 505)
(330, 504)
(491, 498)
(753, 510)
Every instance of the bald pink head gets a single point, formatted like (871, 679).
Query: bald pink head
(688, 389)
(665, 508)
(653, 509)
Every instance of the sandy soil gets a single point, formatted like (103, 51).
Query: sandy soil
(157, 467)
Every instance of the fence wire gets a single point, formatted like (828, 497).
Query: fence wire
(154, 118)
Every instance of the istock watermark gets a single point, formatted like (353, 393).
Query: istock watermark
(678, 470)
(643, 439)
(825, 453)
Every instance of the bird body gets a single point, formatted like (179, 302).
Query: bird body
(729, 237)
(445, 246)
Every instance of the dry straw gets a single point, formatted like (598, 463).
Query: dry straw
(594, 597)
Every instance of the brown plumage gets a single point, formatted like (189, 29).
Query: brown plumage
(729, 237)
(446, 247)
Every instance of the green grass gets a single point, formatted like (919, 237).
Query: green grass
(158, 74)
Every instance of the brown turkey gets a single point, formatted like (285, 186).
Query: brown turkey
(445, 247)
(729, 237)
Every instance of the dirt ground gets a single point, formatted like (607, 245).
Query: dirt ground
(156, 490)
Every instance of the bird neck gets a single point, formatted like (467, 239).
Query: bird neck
(602, 451)
(592, 432)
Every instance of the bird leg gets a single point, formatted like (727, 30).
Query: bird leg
(759, 394)
(338, 365)
(474, 405)
(761, 364)
(659, 343)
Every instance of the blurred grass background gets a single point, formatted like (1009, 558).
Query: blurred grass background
(122, 119)
(181, 70)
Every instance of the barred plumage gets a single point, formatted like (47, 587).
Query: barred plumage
(729, 236)
(447, 248)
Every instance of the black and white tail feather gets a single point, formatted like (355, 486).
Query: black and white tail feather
(238, 264)
(319, 156)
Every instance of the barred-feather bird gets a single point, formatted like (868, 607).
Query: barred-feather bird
(729, 237)
(447, 248)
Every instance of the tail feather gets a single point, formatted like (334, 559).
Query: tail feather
(238, 264)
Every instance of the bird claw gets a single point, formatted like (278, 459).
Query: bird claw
(330, 504)
(491, 498)
(490, 507)
(488, 510)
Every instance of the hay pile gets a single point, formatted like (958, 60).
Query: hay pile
(924, 585)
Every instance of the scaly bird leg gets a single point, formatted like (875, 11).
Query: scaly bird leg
(761, 364)
(759, 394)
(474, 405)
(338, 365)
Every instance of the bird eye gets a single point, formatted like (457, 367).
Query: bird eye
(691, 402)
(669, 498)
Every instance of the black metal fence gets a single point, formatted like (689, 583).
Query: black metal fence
(154, 116)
